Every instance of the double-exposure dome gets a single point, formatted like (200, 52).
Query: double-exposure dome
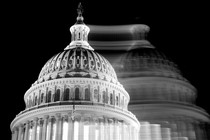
(77, 95)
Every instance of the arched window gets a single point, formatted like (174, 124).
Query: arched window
(87, 94)
(117, 100)
(42, 98)
(49, 96)
(77, 93)
(79, 36)
(96, 95)
(35, 100)
(66, 94)
(57, 95)
(104, 96)
(111, 98)
(99, 97)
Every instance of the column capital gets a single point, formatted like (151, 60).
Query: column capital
(58, 115)
(51, 116)
(65, 116)
(27, 122)
(46, 116)
(105, 119)
(35, 119)
(110, 120)
(69, 114)
(100, 119)
(40, 121)
(20, 126)
(115, 120)
(15, 128)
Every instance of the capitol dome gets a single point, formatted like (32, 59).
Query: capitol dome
(77, 97)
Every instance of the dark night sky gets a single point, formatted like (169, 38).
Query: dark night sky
(37, 31)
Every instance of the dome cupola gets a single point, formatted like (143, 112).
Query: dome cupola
(79, 32)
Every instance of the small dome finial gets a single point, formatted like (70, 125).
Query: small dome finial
(79, 32)
(79, 12)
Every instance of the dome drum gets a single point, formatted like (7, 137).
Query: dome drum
(76, 91)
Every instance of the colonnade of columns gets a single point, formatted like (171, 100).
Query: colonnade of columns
(67, 127)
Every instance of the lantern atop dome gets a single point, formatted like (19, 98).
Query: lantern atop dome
(79, 32)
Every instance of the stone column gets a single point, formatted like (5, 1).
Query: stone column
(106, 127)
(34, 129)
(110, 128)
(44, 127)
(20, 132)
(129, 131)
(70, 127)
(114, 129)
(58, 127)
(121, 134)
(64, 127)
(26, 131)
(81, 128)
(91, 129)
(137, 133)
(15, 133)
(40, 121)
(49, 128)
(132, 133)
(101, 131)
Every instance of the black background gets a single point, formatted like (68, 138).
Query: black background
(35, 31)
